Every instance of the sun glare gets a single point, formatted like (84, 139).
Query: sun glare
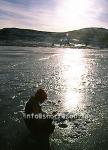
(73, 12)
(73, 69)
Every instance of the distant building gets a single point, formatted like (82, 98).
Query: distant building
(65, 41)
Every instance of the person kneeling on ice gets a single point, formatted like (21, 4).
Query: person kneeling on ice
(40, 127)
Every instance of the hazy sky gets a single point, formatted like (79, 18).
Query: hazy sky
(53, 15)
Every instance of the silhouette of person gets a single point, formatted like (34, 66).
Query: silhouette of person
(40, 127)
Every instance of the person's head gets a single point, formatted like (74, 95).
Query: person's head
(41, 95)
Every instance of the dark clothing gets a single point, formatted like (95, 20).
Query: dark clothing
(32, 106)
(40, 128)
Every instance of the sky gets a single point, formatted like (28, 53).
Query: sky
(53, 15)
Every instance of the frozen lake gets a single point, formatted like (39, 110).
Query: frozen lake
(76, 81)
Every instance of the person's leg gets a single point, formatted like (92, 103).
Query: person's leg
(43, 143)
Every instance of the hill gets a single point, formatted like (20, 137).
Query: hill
(92, 36)
(97, 37)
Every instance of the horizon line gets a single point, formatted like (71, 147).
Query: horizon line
(51, 31)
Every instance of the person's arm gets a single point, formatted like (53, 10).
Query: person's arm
(28, 108)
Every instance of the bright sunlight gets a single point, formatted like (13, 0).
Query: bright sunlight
(72, 13)
(73, 69)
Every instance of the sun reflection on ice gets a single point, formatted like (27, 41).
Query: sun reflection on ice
(72, 70)
(72, 100)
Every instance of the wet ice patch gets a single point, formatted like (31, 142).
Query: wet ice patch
(63, 125)
(70, 129)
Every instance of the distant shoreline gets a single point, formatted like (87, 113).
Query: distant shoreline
(82, 47)
(83, 38)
